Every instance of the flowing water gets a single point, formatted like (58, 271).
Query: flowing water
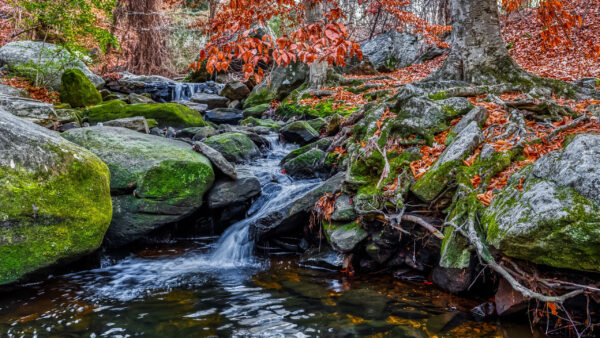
(205, 286)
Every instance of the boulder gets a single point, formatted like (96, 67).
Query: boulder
(323, 258)
(210, 100)
(477, 114)
(77, 90)
(256, 111)
(218, 160)
(299, 132)
(554, 219)
(508, 300)
(224, 115)
(305, 165)
(55, 202)
(235, 147)
(154, 181)
(27, 57)
(254, 122)
(13, 91)
(344, 237)
(235, 90)
(167, 114)
(464, 144)
(344, 209)
(34, 111)
(199, 107)
(283, 80)
(134, 98)
(317, 124)
(196, 132)
(137, 123)
(226, 192)
(395, 49)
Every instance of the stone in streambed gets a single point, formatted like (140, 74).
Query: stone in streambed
(218, 160)
(137, 123)
(299, 132)
(224, 116)
(227, 192)
(235, 147)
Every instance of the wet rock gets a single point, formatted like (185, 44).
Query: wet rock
(258, 140)
(451, 279)
(395, 49)
(226, 192)
(484, 310)
(68, 126)
(255, 122)
(218, 160)
(305, 165)
(26, 57)
(210, 100)
(235, 104)
(299, 132)
(137, 123)
(321, 144)
(508, 300)
(157, 132)
(191, 132)
(154, 181)
(464, 144)
(344, 237)
(256, 111)
(235, 147)
(235, 90)
(344, 210)
(134, 98)
(364, 303)
(55, 202)
(378, 253)
(171, 133)
(555, 218)
(224, 115)
(13, 91)
(477, 114)
(199, 107)
(38, 112)
(322, 259)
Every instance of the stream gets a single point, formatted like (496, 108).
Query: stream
(217, 286)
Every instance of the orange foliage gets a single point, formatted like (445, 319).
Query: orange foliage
(36, 93)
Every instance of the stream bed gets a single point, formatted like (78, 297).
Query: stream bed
(217, 286)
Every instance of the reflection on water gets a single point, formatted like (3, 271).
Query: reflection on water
(176, 291)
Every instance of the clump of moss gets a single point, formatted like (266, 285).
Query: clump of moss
(253, 121)
(321, 109)
(77, 90)
(262, 96)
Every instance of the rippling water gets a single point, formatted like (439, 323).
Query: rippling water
(216, 286)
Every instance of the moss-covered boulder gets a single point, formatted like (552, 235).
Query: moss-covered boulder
(235, 147)
(283, 80)
(555, 218)
(344, 237)
(55, 199)
(318, 123)
(299, 132)
(167, 114)
(154, 180)
(257, 110)
(254, 122)
(307, 164)
(77, 90)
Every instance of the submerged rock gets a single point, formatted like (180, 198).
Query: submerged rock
(55, 202)
(235, 147)
(154, 180)
(555, 218)
(27, 57)
(77, 90)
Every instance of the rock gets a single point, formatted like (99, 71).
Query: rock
(317, 124)
(283, 80)
(38, 112)
(555, 219)
(13, 91)
(55, 202)
(235, 147)
(452, 280)
(154, 181)
(68, 126)
(258, 140)
(256, 111)
(226, 192)
(299, 132)
(27, 57)
(365, 303)
(321, 144)
(77, 90)
(218, 160)
(508, 300)
(196, 132)
(157, 132)
(294, 216)
(477, 114)
(344, 210)
(171, 133)
(333, 126)
(235, 90)
(394, 49)
(203, 133)
(137, 123)
(253, 121)
(344, 237)
(224, 115)
(199, 107)
(325, 258)
(134, 98)
(167, 114)
(210, 100)
(484, 310)
(305, 165)
(464, 144)
(234, 104)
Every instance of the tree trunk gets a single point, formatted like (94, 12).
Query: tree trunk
(318, 70)
(478, 53)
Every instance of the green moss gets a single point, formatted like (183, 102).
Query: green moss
(53, 214)
(167, 114)
(253, 121)
(233, 146)
(152, 123)
(321, 109)
(317, 123)
(262, 96)
(455, 251)
(77, 90)
(430, 185)
(257, 111)
(438, 96)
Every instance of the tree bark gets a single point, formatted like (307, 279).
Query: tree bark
(317, 70)
(478, 53)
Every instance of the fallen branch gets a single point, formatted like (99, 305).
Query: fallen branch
(424, 224)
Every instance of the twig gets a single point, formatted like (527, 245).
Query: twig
(424, 224)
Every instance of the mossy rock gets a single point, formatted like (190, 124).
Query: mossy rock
(317, 123)
(259, 97)
(235, 147)
(154, 181)
(167, 114)
(77, 90)
(322, 144)
(257, 110)
(305, 165)
(254, 122)
(344, 237)
(55, 203)
(299, 132)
